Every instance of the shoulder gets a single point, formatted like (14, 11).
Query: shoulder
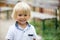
(12, 28)
(32, 27)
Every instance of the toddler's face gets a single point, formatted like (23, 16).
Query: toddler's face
(22, 17)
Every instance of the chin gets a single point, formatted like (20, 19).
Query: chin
(23, 22)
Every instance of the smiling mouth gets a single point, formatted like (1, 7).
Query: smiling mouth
(22, 20)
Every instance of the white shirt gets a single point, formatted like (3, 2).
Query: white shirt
(17, 33)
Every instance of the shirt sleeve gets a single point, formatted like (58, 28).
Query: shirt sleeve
(34, 33)
(9, 34)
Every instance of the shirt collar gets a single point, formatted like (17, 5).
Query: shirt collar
(16, 24)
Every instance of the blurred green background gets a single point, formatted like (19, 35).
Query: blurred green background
(50, 32)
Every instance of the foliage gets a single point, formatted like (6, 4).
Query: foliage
(50, 32)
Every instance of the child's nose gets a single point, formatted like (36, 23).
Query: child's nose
(23, 16)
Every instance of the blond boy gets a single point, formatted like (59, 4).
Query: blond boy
(21, 30)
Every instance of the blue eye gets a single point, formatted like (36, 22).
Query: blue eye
(20, 14)
(25, 15)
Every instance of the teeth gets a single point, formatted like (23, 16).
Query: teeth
(22, 21)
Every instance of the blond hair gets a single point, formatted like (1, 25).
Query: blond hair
(20, 6)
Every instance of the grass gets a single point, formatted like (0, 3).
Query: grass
(50, 33)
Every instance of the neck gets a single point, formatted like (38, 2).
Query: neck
(23, 25)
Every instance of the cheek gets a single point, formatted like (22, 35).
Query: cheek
(28, 17)
(17, 18)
